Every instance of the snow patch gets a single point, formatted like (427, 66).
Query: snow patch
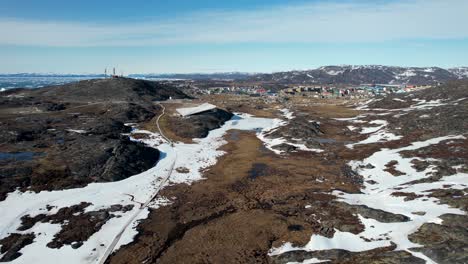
(79, 131)
(287, 113)
(368, 130)
(310, 261)
(380, 136)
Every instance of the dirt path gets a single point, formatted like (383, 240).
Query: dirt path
(159, 127)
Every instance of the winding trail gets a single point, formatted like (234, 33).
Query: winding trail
(159, 128)
(143, 206)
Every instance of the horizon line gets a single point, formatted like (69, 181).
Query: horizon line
(232, 72)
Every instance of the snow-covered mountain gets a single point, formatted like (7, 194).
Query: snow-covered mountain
(461, 72)
(350, 74)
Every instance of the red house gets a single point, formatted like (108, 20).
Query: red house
(261, 91)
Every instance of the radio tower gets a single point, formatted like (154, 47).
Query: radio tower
(105, 73)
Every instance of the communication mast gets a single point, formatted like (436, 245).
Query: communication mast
(114, 75)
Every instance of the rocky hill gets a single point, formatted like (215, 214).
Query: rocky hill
(114, 89)
(437, 111)
(70, 135)
(365, 74)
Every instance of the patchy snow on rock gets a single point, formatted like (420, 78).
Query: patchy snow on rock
(346, 118)
(456, 102)
(378, 195)
(79, 131)
(288, 114)
(303, 147)
(314, 121)
(423, 104)
(365, 105)
(408, 73)
(420, 105)
(340, 240)
(310, 261)
(142, 187)
(381, 124)
(376, 133)
(398, 100)
(270, 143)
(333, 72)
(355, 119)
(382, 157)
(380, 136)
(101, 195)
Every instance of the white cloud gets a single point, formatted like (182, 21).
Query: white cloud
(305, 23)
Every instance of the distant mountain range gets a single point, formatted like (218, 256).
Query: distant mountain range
(68, 75)
(343, 74)
(198, 76)
(349, 74)
(184, 76)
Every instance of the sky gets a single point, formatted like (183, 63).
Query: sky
(182, 36)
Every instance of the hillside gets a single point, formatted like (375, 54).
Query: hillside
(115, 89)
(70, 135)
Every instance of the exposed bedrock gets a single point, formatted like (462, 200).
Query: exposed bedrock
(198, 125)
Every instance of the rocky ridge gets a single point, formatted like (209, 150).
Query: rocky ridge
(70, 135)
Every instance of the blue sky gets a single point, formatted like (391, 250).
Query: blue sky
(214, 36)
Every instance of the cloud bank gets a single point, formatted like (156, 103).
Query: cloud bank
(305, 23)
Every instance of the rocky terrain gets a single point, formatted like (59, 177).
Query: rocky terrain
(302, 180)
(70, 135)
(198, 125)
(373, 185)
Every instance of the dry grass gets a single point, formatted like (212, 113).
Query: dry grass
(251, 190)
